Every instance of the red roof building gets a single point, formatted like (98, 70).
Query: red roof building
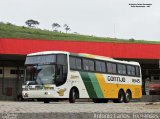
(14, 51)
(115, 50)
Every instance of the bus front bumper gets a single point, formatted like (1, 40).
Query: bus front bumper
(31, 94)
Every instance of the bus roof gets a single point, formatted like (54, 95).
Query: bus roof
(85, 55)
(48, 52)
(108, 59)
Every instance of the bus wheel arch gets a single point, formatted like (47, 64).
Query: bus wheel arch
(128, 96)
(73, 94)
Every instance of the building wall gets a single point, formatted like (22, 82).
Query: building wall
(1, 72)
(10, 82)
(10, 72)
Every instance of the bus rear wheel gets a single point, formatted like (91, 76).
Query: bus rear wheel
(73, 95)
(127, 96)
(121, 97)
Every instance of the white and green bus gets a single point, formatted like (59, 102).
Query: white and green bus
(55, 75)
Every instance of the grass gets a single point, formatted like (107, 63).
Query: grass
(12, 31)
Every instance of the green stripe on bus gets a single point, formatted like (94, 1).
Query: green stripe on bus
(96, 85)
(88, 84)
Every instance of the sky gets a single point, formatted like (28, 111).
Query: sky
(105, 18)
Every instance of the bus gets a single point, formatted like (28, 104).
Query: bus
(55, 75)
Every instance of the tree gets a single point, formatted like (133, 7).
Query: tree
(132, 39)
(55, 26)
(66, 27)
(31, 23)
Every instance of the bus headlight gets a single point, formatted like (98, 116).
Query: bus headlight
(25, 95)
(47, 93)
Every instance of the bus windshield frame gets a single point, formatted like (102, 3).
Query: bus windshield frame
(43, 69)
(40, 74)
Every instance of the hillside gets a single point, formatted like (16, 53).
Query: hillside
(13, 31)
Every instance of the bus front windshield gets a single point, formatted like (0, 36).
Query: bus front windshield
(40, 74)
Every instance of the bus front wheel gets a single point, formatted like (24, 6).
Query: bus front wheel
(73, 95)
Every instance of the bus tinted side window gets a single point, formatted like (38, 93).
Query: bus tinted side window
(85, 64)
(131, 70)
(114, 68)
(88, 65)
(75, 63)
(78, 63)
(103, 66)
(137, 71)
(111, 68)
(91, 65)
(72, 62)
(121, 69)
(100, 66)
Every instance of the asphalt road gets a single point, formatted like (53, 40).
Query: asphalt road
(19, 110)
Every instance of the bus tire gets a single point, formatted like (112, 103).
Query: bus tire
(128, 96)
(46, 101)
(121, 97)
(73, 95)
(20, 98)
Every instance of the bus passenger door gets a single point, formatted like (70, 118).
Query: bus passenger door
(61, 75)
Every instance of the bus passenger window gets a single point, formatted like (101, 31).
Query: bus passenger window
(137, 71)
(88, 65)
(111, 68)
(124, 70)
(72, 62)
(103, 67)
(114, 68)
(85, 64)
(120, 69)
(91, 65)
(78, 63)
(100, 66)
(131, 70)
